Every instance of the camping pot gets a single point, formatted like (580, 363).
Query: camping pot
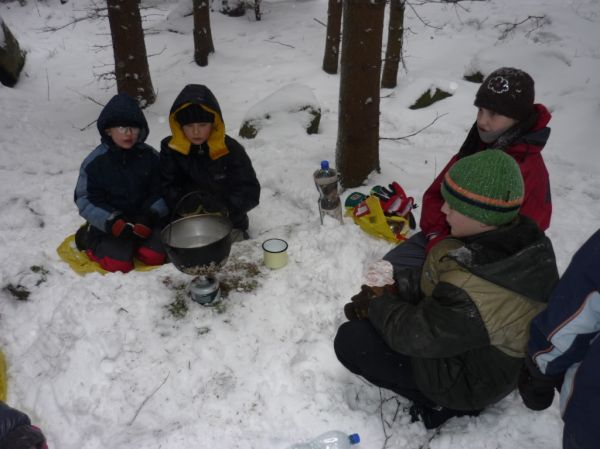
(197, 241)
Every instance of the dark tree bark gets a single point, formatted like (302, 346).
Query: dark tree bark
(393, 51)
(131, 60)
(203, 43)
(332, 41)
(257, 13)
(357, 152)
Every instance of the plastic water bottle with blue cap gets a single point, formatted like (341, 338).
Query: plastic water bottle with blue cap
(329, 440)
(326, 180)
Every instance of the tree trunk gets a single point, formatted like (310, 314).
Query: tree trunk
(203, 43)
(131, 60)
(257, 13)
(332, 41)
(357, 152)
(393, 51)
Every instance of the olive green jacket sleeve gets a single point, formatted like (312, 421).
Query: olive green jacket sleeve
(444, 324)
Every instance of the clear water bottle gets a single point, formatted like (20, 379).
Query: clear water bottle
(326, 180)
(329, 440)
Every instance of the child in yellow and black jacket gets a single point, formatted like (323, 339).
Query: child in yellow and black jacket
(201, 167)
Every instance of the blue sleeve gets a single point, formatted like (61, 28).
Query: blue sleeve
(88, 197)
(561, 335)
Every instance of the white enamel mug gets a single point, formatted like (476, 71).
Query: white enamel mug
(275, 253)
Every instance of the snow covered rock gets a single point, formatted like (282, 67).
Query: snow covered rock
(294, 102)
(12, 58)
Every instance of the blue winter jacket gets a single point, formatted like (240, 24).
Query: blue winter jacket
(565, 340)
(116, 181)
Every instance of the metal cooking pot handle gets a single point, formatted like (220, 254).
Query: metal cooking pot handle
(207, 198)
(203, 195)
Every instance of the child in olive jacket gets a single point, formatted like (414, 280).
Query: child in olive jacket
(454, 344)
(202, 168)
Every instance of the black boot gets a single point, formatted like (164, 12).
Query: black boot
(434, 417)
(81, 238)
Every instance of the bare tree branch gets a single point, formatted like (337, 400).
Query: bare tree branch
(455, 3)
(87, 97)
(90, 16)
(506, 28)
(280, 43)
(88, 125)
(416, 132)
(97, 12)
(156, 54)
(426, 23)
(384, 423)
(147, 399)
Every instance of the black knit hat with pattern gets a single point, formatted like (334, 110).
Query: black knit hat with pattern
(194, 113)
(507, 91)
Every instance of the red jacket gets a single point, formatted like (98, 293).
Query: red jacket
(526, 149)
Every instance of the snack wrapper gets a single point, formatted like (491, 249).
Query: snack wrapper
(378, 274)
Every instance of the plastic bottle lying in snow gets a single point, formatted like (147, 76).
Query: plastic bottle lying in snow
(329, 440)
(326, 180)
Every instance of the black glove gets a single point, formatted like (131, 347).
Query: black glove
(536, 389)
(358, 309)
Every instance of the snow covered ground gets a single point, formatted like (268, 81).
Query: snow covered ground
(100, 362)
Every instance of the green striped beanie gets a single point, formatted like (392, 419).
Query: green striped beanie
(486, 186)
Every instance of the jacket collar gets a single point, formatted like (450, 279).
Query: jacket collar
(216, 140)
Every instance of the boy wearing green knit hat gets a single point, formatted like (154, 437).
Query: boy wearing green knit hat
(453, 341)
(482, 192)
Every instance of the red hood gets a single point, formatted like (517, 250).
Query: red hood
(544, 117)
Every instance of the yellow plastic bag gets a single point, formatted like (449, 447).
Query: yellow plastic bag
(81, 264)
(371, 219)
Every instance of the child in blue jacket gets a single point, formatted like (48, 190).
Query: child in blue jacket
(564, 350)
(118, 191)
